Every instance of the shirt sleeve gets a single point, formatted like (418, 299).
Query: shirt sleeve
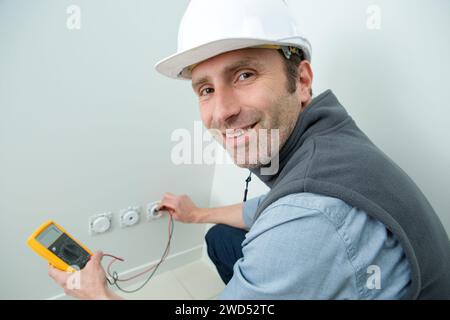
(289, 254)
(249, 209)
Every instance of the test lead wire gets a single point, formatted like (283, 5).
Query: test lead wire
(114, 279)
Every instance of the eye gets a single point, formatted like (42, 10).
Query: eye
(206, 91)
(245, 75)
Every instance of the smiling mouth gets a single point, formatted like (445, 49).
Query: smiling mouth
(236, 133)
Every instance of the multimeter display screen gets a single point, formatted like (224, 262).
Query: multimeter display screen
(49, 235)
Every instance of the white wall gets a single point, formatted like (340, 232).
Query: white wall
(393, 81)
(85, 125)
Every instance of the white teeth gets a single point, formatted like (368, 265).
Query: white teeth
(235, 133)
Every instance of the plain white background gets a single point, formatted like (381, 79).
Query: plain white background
(85, 121)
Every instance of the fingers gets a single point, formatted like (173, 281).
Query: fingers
(180, 207)
(95, 259)
(59, 276)
(97, 256)
(166, 208)
(168, 201)
(90, 283)
(160, 206)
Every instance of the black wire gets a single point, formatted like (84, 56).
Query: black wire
(115, 276)
(249, 178)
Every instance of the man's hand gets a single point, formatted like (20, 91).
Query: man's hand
(181, 207)
(89, 283)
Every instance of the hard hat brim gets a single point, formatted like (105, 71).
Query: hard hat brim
(173, 65)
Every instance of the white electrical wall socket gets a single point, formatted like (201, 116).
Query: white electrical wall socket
(100, 223)
(151, 211)
(129, 217)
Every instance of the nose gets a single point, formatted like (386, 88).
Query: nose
(226, 106)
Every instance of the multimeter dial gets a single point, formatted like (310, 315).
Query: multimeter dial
(70, 252)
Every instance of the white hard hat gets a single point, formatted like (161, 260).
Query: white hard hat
(212, 27)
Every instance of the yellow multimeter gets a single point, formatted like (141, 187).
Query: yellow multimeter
(59, 248)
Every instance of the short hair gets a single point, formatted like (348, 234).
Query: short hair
(291, 68)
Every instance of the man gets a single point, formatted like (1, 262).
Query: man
(341, 220)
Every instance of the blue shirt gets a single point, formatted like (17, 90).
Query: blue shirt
(310, 246)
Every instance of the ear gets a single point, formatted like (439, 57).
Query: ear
(304, 84)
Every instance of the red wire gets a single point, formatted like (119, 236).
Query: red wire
(166, 253)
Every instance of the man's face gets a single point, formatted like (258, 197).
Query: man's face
(243, 97)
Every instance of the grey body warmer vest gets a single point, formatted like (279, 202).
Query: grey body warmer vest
(328, 154)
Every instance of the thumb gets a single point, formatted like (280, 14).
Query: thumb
(165, 206)
(96, 257)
